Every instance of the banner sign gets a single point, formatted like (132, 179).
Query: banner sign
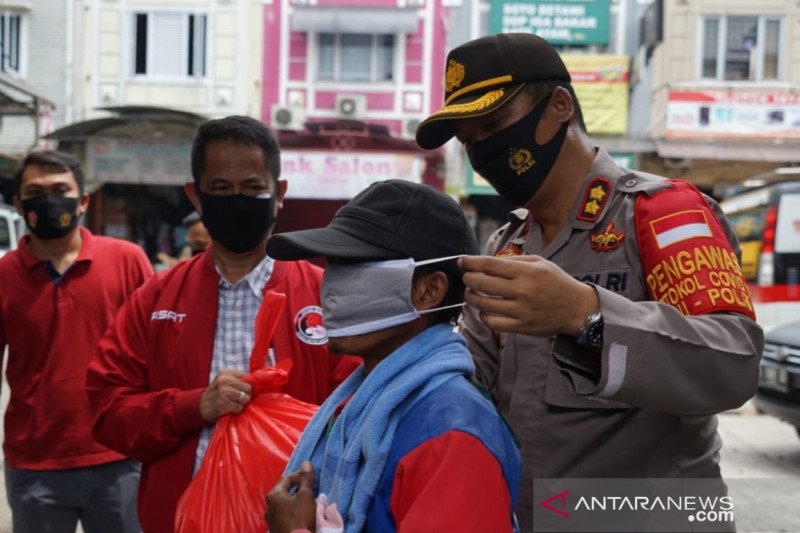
(342, 175)
(601, 84)
(733, 114)
(139, 161)
(573, 22)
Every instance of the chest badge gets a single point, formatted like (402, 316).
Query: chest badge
(594, 199)
(607, 239)
(509, 251)
(308, 326)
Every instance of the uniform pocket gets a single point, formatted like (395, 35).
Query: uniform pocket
(560, 390)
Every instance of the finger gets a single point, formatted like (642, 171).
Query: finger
(490, 304)
(491, 285)
(236, 396)
(501, 267)
(286, 482)
(502, 323)
(229, 372)
(308, 481)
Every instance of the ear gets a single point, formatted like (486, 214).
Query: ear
(84, 204)
(429, 290)
(559, 110)
(18, 204)
(191, 191)
(283, 185)
(561, 104)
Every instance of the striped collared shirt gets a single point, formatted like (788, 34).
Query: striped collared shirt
(233, 339)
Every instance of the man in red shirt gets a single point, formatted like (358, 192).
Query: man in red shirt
(171, 365)
(60, 290)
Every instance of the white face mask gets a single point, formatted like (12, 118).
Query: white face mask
(365, 297)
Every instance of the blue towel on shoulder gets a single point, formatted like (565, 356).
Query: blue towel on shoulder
(349, 463)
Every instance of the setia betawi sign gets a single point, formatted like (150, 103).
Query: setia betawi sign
(571, 22)
(341, 175)
(733, 114)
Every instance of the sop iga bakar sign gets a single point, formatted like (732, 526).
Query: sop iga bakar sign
(342, 175)
(687, 259)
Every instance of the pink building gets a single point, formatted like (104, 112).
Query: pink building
(378, 61)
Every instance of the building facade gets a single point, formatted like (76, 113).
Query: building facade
(725, 90)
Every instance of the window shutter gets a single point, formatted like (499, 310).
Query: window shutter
(168, 44)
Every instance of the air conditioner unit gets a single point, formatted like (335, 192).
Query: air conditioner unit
(284, 117)
(409, 127)
(352, 107)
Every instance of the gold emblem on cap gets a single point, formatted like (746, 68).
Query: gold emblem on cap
(64, 219)
(454, 76)
(521, 161)
(483, 102)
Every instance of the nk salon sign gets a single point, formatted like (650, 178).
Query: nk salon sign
(342, 175)
(562, 22)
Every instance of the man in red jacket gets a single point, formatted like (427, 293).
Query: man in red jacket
(59, 292)
(171, 365)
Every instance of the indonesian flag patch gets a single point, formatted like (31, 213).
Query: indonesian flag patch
(680, 226)
(686, 258)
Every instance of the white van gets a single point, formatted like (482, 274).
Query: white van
(767, 222)
(11, 228)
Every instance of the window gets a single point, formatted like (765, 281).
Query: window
(355, 57)
(10, 29)
(736, 48)
(169, 44)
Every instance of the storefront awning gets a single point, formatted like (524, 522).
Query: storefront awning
(18, 98)
(354, 20)
(727, 150)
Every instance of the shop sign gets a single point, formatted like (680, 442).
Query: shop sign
(342, 175)
(601, 85)
(572, 22)
(139, 161)
(733, 114)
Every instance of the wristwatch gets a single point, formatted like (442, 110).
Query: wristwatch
(591, 333)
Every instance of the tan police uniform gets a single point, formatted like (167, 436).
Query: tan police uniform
(645, 406)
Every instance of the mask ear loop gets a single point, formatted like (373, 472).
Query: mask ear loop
(437, 260)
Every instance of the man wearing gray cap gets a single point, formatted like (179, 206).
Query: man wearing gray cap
(613, 321)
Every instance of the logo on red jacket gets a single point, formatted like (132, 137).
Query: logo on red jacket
(308, 326)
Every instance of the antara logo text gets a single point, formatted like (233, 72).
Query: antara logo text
(700, 508)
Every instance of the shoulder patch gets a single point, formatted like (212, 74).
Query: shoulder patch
(686, 257)
(594, 199)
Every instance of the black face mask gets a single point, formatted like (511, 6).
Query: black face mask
(50, 216)
(513, 162)
(237, 221)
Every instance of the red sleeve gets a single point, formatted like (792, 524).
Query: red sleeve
(686, 257)
(129, 418)
(450, 483)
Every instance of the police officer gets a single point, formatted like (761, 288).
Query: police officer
(609, 318)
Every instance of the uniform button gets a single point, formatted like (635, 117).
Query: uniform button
(631, 183)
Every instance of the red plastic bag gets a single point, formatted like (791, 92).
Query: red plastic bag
(249, 450)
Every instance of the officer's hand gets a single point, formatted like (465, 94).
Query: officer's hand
(527, 294)
(287, 512)
(226, 394)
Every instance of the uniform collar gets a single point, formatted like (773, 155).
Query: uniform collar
(596, 191)
(86, 253)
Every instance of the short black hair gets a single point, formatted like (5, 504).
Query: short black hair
(540, 89)
(454, 294)
(60, 161)
(240, 130)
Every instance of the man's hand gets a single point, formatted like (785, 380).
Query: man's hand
(226, 394)
(527, 294)
(287, 512)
